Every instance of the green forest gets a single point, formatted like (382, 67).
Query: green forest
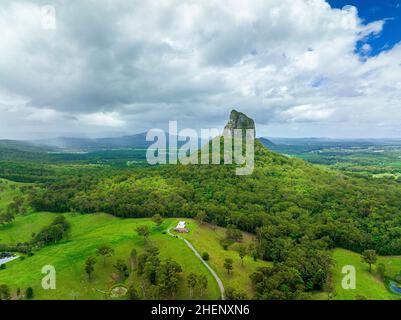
(297, 212)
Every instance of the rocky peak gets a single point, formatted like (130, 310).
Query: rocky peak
(239, 120)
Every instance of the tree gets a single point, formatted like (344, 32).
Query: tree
(133, 258)
(150, 269)
(6, 217)
(233, 234)
(90, 266)
(242, 251)
(157, 218)
(232, 294)
(253, 251)
(202, 284)
(143, 231)
(122, 269)
(29, 293)
(141, 262)
(225, 243)
(381, 270)
(4, 292)
(148, 262)
(205, 256)
(329, 288)
(17, 206)
(62, 221)
(228, 265)
(168, 277)
(370, 257)
(133, 293)
(279, 282)
(54, 232)
(105, 251)
(192, 281)
(152, 250)
(201, 216)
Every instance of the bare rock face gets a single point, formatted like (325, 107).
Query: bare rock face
(238, 120)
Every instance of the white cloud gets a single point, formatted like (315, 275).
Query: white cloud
(102, 119)
(131, 65)
(366, 48)
(43, 115)
(307, 113)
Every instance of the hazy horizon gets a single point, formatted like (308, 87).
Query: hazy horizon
(257, 136)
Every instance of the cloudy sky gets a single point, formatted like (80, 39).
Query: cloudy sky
(115, 67)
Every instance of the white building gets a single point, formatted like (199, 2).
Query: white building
(181, 227)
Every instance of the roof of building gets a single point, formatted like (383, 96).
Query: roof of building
(181, 224)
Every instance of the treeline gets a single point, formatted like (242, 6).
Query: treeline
(43, 173)
(52, 233)
(14, 154)
(26, 172)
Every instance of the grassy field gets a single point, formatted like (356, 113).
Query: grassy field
(90, 231)
(87, 233)
(368, 285)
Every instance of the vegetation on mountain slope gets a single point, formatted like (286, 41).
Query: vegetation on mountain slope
(297, 211)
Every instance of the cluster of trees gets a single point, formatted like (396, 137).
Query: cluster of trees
(197, 282)
(6, 294)
(25, 172)
(235, 294)
(159, 279)
(296, 270)
(54, 232)
(6, 217)
(232, 235)
(279, 282)
(105, 251)
(17, 207)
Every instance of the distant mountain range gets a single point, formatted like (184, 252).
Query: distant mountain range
(266, 142)
(138, 141)
(68, 144)
(313, 141)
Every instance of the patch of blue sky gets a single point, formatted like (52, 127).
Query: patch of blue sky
(388, 11)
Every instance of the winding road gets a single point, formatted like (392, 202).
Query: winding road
(214, 274)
